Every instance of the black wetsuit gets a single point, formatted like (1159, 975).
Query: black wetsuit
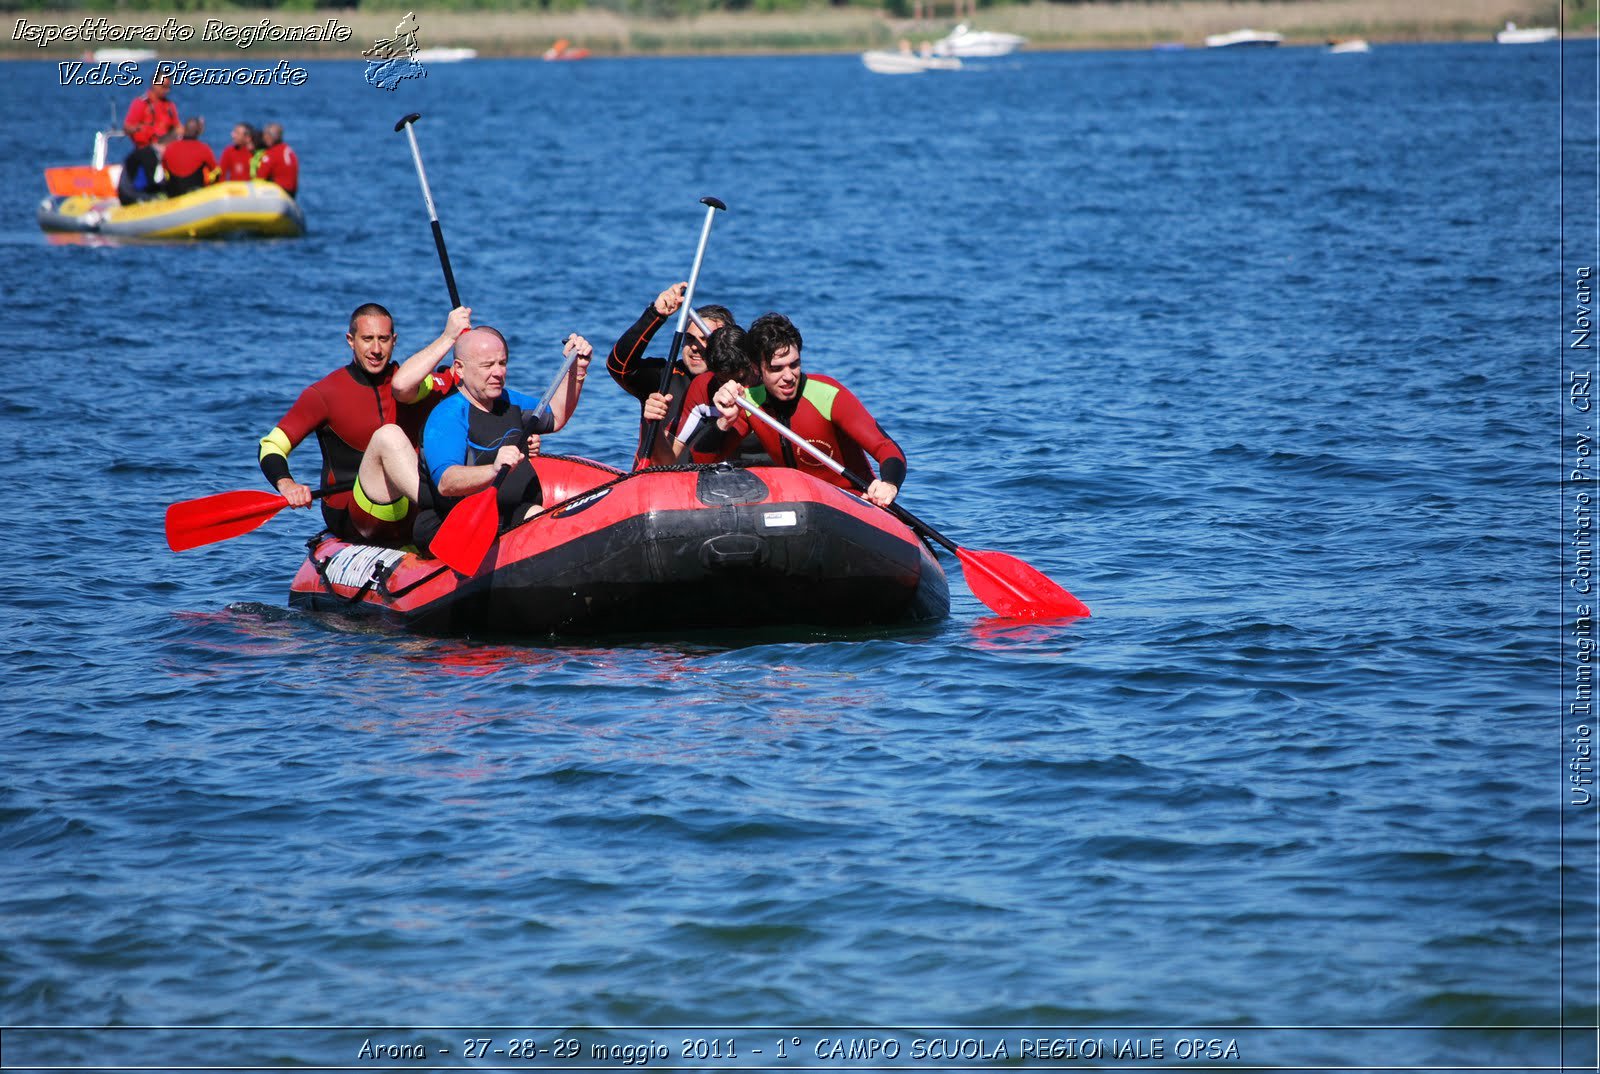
(639, 376)
(138, 181)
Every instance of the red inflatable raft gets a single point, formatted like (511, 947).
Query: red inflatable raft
(672, 548)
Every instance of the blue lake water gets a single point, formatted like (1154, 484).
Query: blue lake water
(1260, 354)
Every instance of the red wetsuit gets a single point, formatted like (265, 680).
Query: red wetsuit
(190, 165)
(281, 166)
(834, 421)
(697, 408)
(235, 164)
(705, 442)
(344, 409)
(149, 118)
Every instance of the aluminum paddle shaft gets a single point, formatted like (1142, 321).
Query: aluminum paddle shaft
(713, 206)
(407, 124)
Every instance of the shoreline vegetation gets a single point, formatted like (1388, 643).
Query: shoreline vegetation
(1128, 24)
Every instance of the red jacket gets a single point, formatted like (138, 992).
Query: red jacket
(186, 156)
(148, 119)
(235, 164)
(281, 166)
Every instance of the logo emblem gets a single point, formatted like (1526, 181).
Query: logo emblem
(390, 61)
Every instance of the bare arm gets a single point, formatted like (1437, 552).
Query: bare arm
(565, 401)
(463, 480)
(409, 378)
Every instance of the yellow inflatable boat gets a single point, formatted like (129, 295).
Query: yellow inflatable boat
(83, 201)
(255, 207)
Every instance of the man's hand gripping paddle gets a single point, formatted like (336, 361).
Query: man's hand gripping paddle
(713, 206)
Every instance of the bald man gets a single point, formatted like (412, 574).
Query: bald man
(486, 427)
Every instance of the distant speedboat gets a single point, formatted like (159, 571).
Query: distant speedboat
(966, 42)
(446, 55)
(1244, 39)
(885, 62)
(564, 50)
(123, 55)
(1353, 45)
(1535, 35)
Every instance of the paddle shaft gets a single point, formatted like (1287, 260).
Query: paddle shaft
(333, 490)
(712, 206)
(555, 385)
(408, 123)
(271, 509)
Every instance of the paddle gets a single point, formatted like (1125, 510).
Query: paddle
(1007, 585)
(713, 205)
(472, 525)
(406, 123)
(210, 519)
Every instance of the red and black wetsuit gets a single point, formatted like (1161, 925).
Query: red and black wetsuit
(640, 376)
(827, 414)
(281, 166)
(149, 118)
(189, 164)
(344, 409)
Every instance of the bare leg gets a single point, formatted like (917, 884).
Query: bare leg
(389, 466)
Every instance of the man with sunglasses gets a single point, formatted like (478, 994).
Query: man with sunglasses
(699, 429)
(640, 377)
(818, 408)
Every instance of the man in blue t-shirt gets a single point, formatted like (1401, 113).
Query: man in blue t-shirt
(486, 427)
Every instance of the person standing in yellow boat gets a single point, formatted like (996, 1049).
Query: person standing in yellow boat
(151, 115)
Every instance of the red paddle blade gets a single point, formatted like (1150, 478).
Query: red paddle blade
(467, 532)
(1015, 590)
(216, 518)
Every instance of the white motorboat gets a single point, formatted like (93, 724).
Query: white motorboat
(885, 62)
(968, 43)
(124, 55)
(1532, 35)
(445, 55)
(1348, 47)
(1244, 39)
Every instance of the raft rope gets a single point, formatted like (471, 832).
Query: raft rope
(680, 467)
(673, 468)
